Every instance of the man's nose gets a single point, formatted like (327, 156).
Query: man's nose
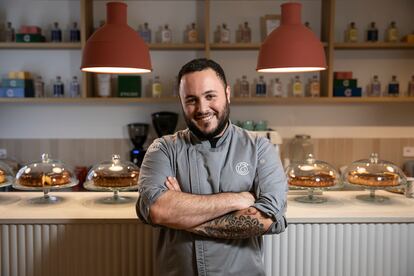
(202, 106)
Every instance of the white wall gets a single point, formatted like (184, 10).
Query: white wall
(108, 121)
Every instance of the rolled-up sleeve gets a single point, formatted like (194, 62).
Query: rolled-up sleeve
(155, 169)
(270, 185)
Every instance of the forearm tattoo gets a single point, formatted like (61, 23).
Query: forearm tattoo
(231, 226)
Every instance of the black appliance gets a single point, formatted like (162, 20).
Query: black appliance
(138, 133)
(164, 122)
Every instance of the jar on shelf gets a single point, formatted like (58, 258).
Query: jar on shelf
(299, 148)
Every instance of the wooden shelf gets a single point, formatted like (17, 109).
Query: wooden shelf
(176, 46)
(40, 45)
(234, 101)
(235, 46)
(373, 45)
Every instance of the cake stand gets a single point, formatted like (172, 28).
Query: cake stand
(115, 198)
(310, 197)
(372, 197)
(46, 198)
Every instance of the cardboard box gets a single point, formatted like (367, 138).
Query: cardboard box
(9, 92)
(14, 83)
(19, 75)
(351, 83)
(340, 75)
(29, 38)
(347, 92)
(129, 86)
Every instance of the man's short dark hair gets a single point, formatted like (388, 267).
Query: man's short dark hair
(200, 64)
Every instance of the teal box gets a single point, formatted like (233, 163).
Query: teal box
(348, 83)
(10, 92)
(17, 83)
(129, 86)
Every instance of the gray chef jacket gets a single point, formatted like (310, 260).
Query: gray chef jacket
(239, 162)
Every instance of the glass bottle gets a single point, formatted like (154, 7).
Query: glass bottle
(372, 32)
(39, 87)
(277, 90)
(239, 34)
(261, 87)
(74, 88)
(156, 87)
(175, 87)
(392, 33)
(394, 87)
(244, 87)
(192, 35)
(74, 33)
(103, 84)
(58, 87)
(56, 33)
(314, 87)
(410, 91)
(246, 33)
(297, 87)
(166, 35)
(299, 148)
(217, 34)
(375, 89)
(145, 33)
(224, 34)
(10, 36)
(351, 34)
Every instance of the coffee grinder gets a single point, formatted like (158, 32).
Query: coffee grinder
(138, 133)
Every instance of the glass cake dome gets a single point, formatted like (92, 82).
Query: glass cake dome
(312, 174)
(46, 173)
(113, 175)
(374, 174)
(6, 175)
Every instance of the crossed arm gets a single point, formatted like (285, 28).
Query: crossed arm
(224, 215)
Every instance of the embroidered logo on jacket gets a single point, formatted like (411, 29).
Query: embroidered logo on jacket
(242, 168)
(154, 146)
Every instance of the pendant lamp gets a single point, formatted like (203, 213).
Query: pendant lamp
(291, 47)
(116, 48)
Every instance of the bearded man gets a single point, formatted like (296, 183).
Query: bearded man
(212, 190)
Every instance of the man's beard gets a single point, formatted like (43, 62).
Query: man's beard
(222, 123)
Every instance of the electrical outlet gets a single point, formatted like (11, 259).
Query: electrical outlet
(408, 151)
(3, 153)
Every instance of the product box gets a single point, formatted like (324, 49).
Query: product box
(21, 83)
(28, 29)
(19, 75)
(351, 83)
(9, 92)
(129, 86)
(29, 38)
(340, 75)
(347, 92)
(409, 38)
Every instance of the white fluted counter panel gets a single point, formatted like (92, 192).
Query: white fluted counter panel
(341, 250)
(80, 236)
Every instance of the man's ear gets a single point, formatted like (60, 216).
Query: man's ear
(228, 93)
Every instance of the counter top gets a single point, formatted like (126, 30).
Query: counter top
(81, 207)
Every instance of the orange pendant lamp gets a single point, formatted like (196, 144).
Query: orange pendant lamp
(116, 48)
(291, 47)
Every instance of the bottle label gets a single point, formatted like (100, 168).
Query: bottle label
(297, 89)
(277, 90)
(393, 89)
(156, 90)
(315, 89)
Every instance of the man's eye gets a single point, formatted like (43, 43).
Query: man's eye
(190, 101)
(210, 97)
